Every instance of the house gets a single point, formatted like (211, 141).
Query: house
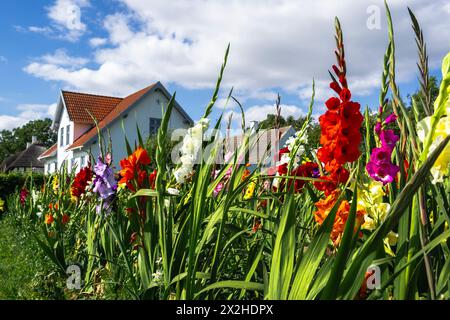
(116, 118)
(264, 145)
(26, 160)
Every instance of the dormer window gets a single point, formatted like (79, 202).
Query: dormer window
(61, 137)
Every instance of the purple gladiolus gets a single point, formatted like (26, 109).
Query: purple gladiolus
(104, 184)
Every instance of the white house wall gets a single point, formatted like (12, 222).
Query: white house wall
(62, 154)
(51, 165)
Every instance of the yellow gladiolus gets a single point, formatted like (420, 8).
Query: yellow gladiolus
(55, 184)
(250, 190)
(441, 166)
(370, 199)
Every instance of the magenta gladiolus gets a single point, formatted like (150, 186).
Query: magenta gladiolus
(388, 138)
(23, 196)
(380, 166)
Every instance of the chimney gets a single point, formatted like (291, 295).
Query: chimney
(33, 141)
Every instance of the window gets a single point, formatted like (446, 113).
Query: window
(61, 138)
(68, 135)
(83, 161)
(155, 123)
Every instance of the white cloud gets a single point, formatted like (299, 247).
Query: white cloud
(26, 113)
(97, 42)
(66, 20)
(274, 44)
(43, 30)
(60, 58)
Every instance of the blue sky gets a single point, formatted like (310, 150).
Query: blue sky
(115, 47)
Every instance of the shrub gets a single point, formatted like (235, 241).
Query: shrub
(11, 182)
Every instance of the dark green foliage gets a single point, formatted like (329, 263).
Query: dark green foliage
(16, 140)
(10, 182)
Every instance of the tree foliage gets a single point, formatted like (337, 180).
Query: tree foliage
(13, 141)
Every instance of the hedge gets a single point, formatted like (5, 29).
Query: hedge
(11, 182)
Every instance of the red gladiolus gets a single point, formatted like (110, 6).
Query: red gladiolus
(65, 219)
(307, 170)
(152, 179)
(81, 181)
(340, 137)
(23, 196)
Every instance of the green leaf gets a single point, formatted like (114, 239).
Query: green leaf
(233, 284)
(345, 248)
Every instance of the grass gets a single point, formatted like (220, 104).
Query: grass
(25, 273)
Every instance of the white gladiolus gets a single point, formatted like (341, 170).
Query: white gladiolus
(192, 144)
(295, 142)
(173, 191)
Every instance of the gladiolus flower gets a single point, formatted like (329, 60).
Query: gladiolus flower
(104, 184)
(81, 181)
(380, 166)
(65, 219)
(324, 207)
(49, 219)
(23, 196)
(250, 190)
(134, 169)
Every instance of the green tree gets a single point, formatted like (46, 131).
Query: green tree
(313, 130)
(16, 140)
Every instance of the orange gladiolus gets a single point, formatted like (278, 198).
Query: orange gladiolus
(132, 168)
(49, 219)
(324, 207)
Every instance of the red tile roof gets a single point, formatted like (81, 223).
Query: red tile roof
(80, 106)
(111, 116)
(50, 152)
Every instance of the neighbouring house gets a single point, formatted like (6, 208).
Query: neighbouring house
(264, 145)
(115, 117)
(26, 160)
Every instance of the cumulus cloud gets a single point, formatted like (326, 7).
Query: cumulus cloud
(97, 42)
(26, 113)
(61, 58)
(276, 45)
(66, 20)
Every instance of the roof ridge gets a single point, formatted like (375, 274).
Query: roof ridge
(91, 94)
(142, 89)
